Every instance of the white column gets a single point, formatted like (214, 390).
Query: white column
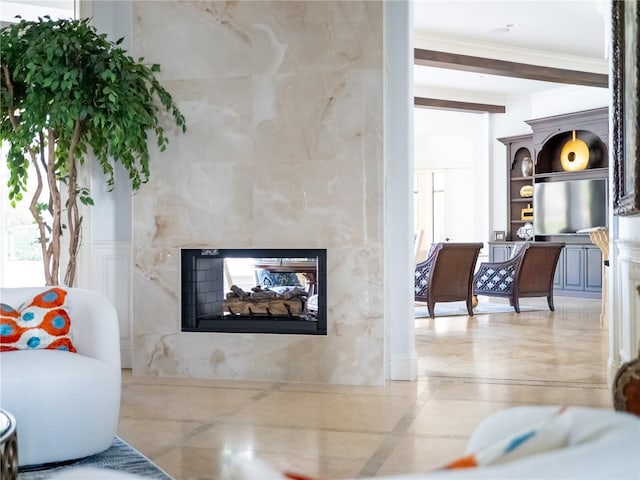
(398, 175)
(108, 240)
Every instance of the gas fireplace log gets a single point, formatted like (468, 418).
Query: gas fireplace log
(286, 308)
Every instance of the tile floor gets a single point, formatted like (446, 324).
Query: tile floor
(468, 368)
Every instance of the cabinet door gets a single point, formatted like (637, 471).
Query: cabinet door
(558, 278)
(574, 267)
(593, 269)
(499, 253)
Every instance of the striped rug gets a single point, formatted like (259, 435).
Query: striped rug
(452, 309)
(120, 457)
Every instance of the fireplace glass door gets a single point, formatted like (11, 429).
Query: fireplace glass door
(254, 290)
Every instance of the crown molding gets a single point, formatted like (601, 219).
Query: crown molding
(512, 54)
(460, 95)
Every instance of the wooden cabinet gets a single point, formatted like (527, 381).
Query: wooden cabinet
(573, 261)
(519, 150)
(499, 252)
(551, 133)
(545, 146)
(579, 270)
(593, 269)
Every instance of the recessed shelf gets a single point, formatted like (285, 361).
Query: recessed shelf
(522, 179)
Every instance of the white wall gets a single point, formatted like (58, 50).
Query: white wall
(567, 99)
(458, 143)
(107, 237)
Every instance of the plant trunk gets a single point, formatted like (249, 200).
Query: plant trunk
(33, 208)
(74, 224)
(74, 220)
(56, 212)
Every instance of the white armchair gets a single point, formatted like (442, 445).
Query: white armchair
(66, 405)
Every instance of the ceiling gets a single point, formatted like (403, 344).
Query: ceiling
(571, 33)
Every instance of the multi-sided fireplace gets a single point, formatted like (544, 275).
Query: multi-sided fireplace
(254, 290)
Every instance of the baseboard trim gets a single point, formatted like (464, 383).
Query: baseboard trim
(403, 367)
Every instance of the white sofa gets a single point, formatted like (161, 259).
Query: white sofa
(66, 404)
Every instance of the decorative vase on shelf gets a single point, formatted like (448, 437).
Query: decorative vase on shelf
(525, 232)
(527, 167)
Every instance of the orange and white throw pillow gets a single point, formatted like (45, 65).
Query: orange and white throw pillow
(41, 323)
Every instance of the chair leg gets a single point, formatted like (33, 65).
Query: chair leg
(515, 303)
(470, 306)
(431, 307)
(550, 301)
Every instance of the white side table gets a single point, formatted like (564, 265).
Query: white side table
(8, 446)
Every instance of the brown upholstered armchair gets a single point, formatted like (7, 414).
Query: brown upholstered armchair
(529, 273)
(446, 274)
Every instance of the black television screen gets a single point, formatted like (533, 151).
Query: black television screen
(568, 206)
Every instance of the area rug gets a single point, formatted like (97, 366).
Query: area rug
(121, 457)
(452, 309)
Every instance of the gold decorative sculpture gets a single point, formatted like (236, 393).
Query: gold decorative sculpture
(574, 155)
(526, 191)
(526, 213)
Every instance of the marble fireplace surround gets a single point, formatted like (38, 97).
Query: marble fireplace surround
(256, 170)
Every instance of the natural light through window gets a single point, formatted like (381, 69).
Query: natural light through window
(438, 207)
(20, 252)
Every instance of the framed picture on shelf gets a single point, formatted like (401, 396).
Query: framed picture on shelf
(499, 235)
(625, 73)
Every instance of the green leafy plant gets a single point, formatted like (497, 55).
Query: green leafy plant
(67, 92)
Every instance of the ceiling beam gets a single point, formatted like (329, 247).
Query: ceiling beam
(422, 102)
(468, 63)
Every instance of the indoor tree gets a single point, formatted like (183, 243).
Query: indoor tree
(68, 92)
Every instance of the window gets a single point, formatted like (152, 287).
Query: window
(20, 252)
(438, 218)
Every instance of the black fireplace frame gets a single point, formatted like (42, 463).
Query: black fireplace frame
(192, 276)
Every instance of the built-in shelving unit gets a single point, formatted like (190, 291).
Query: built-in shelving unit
(518, 149)
(580, 265)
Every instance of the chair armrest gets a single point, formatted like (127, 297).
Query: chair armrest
(423, 272)
(95, 330)
(94, 325)
(496, 276)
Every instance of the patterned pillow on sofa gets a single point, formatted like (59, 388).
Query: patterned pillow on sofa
(41, 323)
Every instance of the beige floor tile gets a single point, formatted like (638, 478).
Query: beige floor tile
(261, 440)
(180, 402)
(415, 453)
(129, 377)
(191, 463)
(318, 466)
(326, 410)
(406, 389)
(152, 435)
(468, 369)
(452, 417)
(596, 396)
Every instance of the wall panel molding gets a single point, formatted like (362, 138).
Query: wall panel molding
(628, 264)
(111, 276)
